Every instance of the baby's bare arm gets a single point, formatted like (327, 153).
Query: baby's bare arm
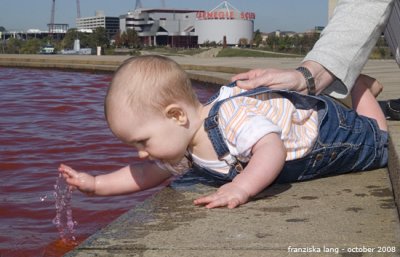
(129, 179)
(269, 155)
(268, 158)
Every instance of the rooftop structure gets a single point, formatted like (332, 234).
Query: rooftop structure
(187, 28)
(111, 24)
(172, 27)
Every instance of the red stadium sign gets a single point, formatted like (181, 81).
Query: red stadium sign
(224, 15)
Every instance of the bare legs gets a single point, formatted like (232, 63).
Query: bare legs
(364, 101)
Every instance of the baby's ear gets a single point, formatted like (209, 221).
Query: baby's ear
(176, 113)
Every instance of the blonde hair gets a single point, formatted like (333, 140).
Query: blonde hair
(149, 81)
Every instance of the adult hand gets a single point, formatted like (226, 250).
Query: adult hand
(272, 78)
(286, 79)
(230, 195)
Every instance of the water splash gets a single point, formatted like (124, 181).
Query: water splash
(63, 220)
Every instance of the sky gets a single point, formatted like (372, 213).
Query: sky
(271, 15)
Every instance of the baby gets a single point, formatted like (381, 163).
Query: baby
(250, 139)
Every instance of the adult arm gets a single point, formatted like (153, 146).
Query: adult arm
(346, 43)
(338, 56)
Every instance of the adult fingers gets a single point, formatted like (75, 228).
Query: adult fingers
(263, 80)
(251, 74)
(241, 76)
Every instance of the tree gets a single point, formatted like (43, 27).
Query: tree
(87, 40)
(31, 46)
(132, 38)
(272, 42)
(69, 38)
(257, 39)
(99, 38)
(243, 42)
(13, 46)
(2, 29)
(118, 40)
(309, 40)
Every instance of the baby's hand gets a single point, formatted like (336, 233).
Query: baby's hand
(229, 195)
(80, 180)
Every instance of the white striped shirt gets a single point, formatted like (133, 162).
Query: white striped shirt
(245, 120)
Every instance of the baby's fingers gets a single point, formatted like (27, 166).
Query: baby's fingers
(70, 175)
(233, 203)
(204, 200)
(67, 171)
(212, 201)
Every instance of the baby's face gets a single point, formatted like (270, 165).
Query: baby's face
(155, 136)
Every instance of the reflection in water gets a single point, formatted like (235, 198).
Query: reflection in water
(46, 118)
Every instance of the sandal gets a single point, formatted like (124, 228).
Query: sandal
(391, 109)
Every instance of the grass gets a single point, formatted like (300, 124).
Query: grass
(240, 52)
(175, 51)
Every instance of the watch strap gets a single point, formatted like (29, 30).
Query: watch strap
(310, 82)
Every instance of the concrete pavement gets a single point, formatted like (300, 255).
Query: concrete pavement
(342, 214)
(348, 215)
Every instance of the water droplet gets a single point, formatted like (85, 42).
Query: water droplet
(64, 220)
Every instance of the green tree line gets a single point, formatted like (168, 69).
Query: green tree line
(295, 44)
(128, 39)
(302, 43)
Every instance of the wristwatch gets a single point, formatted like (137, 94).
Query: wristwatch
(309, 79)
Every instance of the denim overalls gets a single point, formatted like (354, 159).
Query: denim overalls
(346, 141)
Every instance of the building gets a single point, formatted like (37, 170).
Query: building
(111, 24)
(331, 7)
(278, 33)
(57, 28)
(162, 26)
(47, 49)
(225, 22)
(188, 28)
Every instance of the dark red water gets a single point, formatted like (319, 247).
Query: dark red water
(46, 118)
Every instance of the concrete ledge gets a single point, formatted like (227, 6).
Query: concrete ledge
(207, 73)
(110, 64)
(90, 63)
(338, 213)
(394, 162)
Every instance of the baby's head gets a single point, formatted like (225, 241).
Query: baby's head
(146, 85)
(150, 81)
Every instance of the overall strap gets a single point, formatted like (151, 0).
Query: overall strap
(211, 125)
(215, 134)
(215, 96)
